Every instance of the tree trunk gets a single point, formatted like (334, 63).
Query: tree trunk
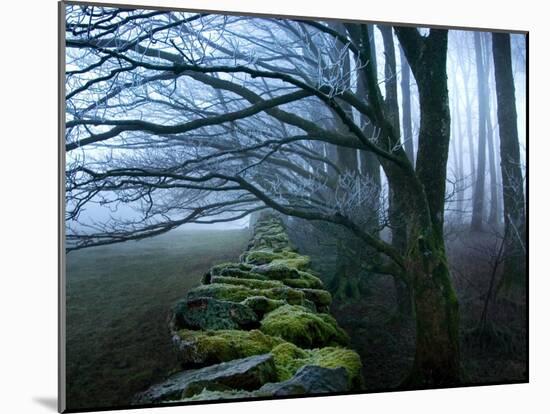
(437, 356)
(345, 285)
(369, 164)
(492, 220)
(396, 213)
(459, 154)
(469, 128)
(479, 189)
(406, 107)
(510, 164)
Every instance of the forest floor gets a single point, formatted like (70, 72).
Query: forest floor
(386, 342)
(118, 299)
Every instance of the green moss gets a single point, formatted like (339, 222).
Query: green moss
(220, 291)
(277, 272)
(288, 275)
(259, 257)
(335, 357)
(298, 262)
(262, 305)
(275, 282)
(243, 274)
(271, 234)
(285, 257)
(212, 347)
(240, 270)
(320, 297)
(289, 358)
(277, 236)
(213, 314)
(302, 327)
(237, 293)
(305, 280)
(251, 283)
(311, 306)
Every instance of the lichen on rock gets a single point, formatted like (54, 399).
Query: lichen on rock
(309, 379)
(288, 275)
(288, 258)
(212, 347)
(238, 293)
(250, 283)
(262, 305)
(289, 358)
(303, 327)
(245, 374)
(320, 297)
(213, 314)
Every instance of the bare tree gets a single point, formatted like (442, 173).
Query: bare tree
(187, 117)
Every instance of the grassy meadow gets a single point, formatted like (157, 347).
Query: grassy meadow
(118, 300)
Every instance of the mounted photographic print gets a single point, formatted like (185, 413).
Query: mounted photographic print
(258, 207)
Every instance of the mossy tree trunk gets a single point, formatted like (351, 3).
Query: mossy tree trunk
(437, 357)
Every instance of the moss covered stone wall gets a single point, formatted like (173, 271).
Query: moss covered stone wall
(264, 323)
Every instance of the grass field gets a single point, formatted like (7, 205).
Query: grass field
(118, 299)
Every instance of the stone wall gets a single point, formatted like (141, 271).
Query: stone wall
(258, 328)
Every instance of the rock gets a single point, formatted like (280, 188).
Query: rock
(250, 283)
(208, 313)
(320, 297)
(245, 374)
(231, 269)
(288, 275)
(302, 327)
(284, 257)
(306, 280)
(241, 270)
(276, 272)
(310, 379)
(209, 395)
(296, 348)
(224, 269)
(289, 359)
(262, 305)
(199, 348)
(238, 293)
